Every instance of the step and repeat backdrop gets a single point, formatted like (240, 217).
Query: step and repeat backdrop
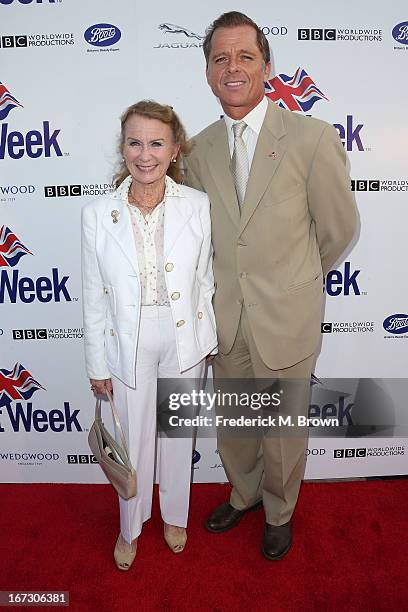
(68, 69)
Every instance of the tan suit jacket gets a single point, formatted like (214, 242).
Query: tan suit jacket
(297, 218)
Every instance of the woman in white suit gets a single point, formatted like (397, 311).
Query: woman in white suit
(147, 295)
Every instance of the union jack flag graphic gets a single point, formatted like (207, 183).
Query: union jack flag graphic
(296, 93)
(11, 249)
(7, 102)
(17, 384)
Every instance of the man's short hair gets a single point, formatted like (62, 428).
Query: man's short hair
(231, 20)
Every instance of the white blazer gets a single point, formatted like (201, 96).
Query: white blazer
(111, 285)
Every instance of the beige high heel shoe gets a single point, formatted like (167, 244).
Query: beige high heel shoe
(124, 558)
(175, 541)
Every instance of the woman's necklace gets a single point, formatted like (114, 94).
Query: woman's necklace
(145, 209)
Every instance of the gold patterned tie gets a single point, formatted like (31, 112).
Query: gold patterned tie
(239, 162)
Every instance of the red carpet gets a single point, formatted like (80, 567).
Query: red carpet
(349, 552)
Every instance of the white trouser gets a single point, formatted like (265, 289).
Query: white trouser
(137, 408)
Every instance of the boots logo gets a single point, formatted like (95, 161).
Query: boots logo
(296, 93)
(11, 249)
(102, 35)
(7, 102)
(396, 324)
(17, 384)
(400, 33)
(23, 288)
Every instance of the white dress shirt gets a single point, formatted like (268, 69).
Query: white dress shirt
(254, 121)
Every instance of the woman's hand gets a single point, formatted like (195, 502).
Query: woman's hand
(99, 387)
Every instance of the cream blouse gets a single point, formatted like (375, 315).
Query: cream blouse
(149, 240)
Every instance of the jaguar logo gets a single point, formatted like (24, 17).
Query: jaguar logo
(171, 28)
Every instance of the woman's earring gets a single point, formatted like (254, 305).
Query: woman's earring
(174, 160)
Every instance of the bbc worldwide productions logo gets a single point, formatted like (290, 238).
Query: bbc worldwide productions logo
(49, 39)
(347, 327)
(81, 459)
(358, 34)
(77, 190)
(56, 333)
(373, 451)
(388, 185)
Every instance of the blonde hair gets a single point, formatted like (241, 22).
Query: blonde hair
(153, 110)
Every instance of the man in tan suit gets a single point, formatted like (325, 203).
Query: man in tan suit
(282, 214)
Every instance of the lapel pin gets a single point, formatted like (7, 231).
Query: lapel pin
(273, 154)
(115, 214)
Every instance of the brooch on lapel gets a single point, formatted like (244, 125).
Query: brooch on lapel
(273, 154)
(115, 214)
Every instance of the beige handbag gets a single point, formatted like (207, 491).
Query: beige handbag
(112, 457)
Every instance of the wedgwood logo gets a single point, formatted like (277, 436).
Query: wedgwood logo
(274, 30)
(6, 190)
(29, 458)
(10, 193)
(102, 35)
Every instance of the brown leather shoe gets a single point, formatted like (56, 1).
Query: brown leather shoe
(226, 516)
(277, 541)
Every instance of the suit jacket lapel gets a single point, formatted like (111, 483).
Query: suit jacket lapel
(177, 212)
(269, 152)
(219, 161)
(121, 231)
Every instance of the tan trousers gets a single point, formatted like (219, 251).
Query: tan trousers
(263, 467)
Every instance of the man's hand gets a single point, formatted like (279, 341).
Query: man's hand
(99, 387)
